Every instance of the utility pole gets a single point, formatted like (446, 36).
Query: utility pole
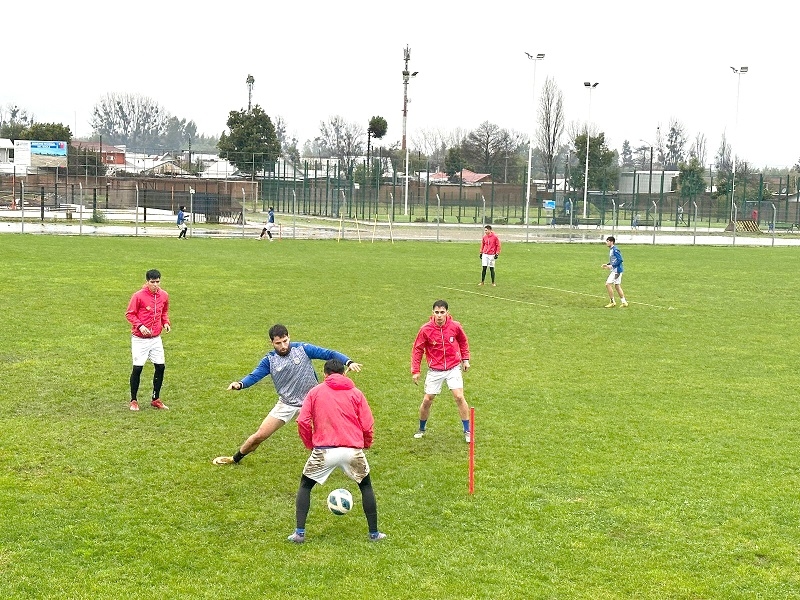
(250, 81)
(406, 77)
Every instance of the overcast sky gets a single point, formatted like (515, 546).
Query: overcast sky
(312, 60)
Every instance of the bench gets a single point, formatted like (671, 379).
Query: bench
(643, 223)
(590, 222)
(563, 221)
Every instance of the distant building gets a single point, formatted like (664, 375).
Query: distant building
(466, 177)
(640, 182)
(6, 147)
(112, 156)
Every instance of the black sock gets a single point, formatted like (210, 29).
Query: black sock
(303, 502)
(158, 380)
(369, 503)
(136, 375)
(238, 456)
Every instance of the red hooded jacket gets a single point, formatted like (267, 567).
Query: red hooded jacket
(148, 309)
(490, 244)
(445, 346)
(335, 413)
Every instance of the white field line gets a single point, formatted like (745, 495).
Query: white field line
(552, 289)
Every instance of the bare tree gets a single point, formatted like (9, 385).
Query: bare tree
(698, 149)
(131, 119)
(430, 142)
(577, 129)
(342, 140)
(434, 143)
(551, 127)
(487, 146)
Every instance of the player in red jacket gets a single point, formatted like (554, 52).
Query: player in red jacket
(490, 252)
(443, 341)
(148, 314)
(336, 424)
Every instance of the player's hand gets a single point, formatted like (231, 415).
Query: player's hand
(496, 256)
(480, 255)
(465, 364)
(354, 366)
(167, 328)
(144, 331)
(605, 266)
(415, 378)
(235, 385)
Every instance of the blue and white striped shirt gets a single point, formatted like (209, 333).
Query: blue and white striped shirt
(293, 374)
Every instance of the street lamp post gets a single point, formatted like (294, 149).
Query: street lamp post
(406, 77)
(535, 59)
(590, 87)
(739, 72)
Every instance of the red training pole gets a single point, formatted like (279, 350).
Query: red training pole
(471, 450)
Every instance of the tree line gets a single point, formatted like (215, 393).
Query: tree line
(254, 141)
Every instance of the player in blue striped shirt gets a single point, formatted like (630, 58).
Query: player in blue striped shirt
(289, 364)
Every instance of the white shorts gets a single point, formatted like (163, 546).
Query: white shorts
(614, 278)
(487, 260)
(284, 412)
(183, 226)
(435, 379)
(269, 226)
(147, 348)
(323, 461)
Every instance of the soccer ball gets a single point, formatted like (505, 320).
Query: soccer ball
(340, 502)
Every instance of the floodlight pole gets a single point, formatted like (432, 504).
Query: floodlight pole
(406, 77)
(739, 72)
(535, 59)
(191, 211)
(590, 86)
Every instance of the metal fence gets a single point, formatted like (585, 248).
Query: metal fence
(225, 201)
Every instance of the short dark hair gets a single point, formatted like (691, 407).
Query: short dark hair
(334, 365)
(278, 331)
(182, 208)
(270, 208)
(152, 274)
(611, 239)
(442, 303)
(489, 227)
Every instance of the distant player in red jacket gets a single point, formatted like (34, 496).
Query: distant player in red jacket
(148, 314)
(336, 424)
(490, 252)
(443, 341)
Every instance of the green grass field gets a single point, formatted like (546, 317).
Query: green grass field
(638, 453)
